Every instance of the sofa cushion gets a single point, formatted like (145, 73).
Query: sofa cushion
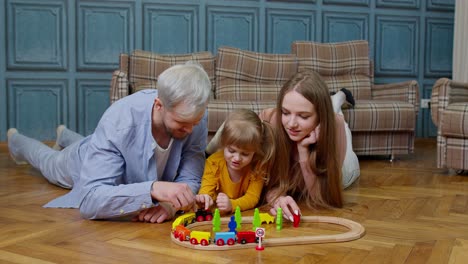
(385, 116)
(247, 75)
(145, 66)
(342, 65)
(455, 120)
(218, 110)
(383, 143)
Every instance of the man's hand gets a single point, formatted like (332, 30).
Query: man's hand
(179, 195)
(223, 202)
(157, 214)
(204, 200)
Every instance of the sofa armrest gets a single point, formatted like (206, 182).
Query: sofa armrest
(119, 83)
(123, 62)
(407, 91)
(445, 92)
(119, 86)
(458, 92)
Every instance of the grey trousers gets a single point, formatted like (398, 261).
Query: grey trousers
(53, 164)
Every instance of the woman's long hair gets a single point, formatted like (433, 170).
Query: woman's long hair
(286, 176)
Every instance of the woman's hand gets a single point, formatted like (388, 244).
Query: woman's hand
(287, 205)
(303, 145)
(311, 138)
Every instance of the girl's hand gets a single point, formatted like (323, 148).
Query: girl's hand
(288, 205)
(223, 202)
(204, 200)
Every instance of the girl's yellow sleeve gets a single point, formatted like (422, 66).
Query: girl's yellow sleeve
(251, 197)
(209, 184)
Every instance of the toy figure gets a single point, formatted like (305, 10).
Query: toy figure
(216, 221)
(279, 219)
(297, 219)
(256, 219)
(238, 216)
(232, 225)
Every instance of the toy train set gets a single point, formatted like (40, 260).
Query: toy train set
(184, 231)
(221, 238)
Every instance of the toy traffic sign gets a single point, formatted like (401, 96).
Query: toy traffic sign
(260, 233)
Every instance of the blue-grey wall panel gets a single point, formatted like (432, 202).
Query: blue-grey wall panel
(232, 26)
(93, 100)
(171, 28)
(285, 26)
(344, 26)
(75, 44)
(348, 2)
(3, 93)
(289, 1)
(398, 3)
(439, 47)
(37, 36)
(105, 29)
(36, 107)
(448, 5)
(397, 44)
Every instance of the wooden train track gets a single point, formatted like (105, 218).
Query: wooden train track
(355, 231)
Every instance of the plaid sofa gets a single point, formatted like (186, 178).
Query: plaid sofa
(382, 122)
(140, 70)
(246, 79)
(449, 112)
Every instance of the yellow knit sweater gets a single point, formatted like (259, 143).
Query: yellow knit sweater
(244, 193)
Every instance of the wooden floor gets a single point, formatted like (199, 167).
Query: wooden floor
(412, 212)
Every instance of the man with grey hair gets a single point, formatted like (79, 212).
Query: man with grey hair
(145, 158)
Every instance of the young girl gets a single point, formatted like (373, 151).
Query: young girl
(234, 175)
(311, 145)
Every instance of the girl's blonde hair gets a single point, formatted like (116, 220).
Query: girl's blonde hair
(286, 175)
(244, 129)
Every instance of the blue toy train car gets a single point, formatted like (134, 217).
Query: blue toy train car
(223, 238)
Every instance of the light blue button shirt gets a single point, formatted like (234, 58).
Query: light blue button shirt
(113, 169)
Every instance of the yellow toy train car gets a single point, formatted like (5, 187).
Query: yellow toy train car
(184, 220)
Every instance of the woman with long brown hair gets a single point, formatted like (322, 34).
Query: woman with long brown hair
(310, 145)
(314, 157)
